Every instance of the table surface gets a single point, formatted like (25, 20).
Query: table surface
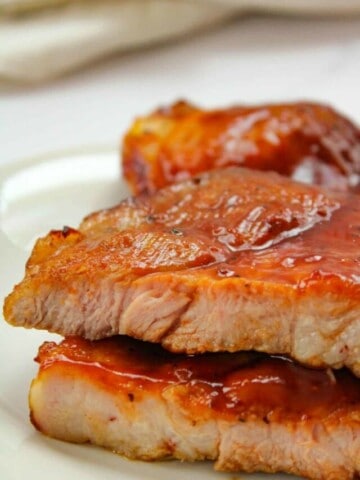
(252, 59)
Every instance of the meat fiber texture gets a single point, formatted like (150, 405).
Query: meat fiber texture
(230, 260)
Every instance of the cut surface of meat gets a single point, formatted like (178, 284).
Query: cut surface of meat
(308, 142)
(231, 260)
(245, 411)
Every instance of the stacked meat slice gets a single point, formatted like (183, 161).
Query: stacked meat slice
(305, 141)
(229, 260)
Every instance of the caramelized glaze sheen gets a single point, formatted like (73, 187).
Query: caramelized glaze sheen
(233, 259)
(237, 385)
(247, 224)
(304, 141)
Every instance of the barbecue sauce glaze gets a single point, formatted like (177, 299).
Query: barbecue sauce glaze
(242, 385)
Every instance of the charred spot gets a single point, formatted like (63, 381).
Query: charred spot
(150, 219)
(176, 231)
(242, 420)
(66, 231)
(112, 419)
(58, 235)
(193, 423)
(196, 180)
(131, 396)
(266, 420)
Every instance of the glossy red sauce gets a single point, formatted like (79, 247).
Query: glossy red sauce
(232, 384)
(331, 250)
(308, 142)
(248, 224)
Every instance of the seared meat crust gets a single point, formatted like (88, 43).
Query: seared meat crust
(231, 260)
(246, 412)
(306, 141)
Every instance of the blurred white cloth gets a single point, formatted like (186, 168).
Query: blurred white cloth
(41, 39)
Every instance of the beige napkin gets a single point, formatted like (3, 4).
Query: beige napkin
(40, 39)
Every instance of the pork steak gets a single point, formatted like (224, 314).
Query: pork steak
(230, 260)
(305, 141)
(245, 412)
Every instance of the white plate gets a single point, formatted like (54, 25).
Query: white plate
(37, 195)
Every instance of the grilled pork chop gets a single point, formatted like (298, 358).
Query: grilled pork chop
(231, 260)
(308, 142)
(247, 412)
